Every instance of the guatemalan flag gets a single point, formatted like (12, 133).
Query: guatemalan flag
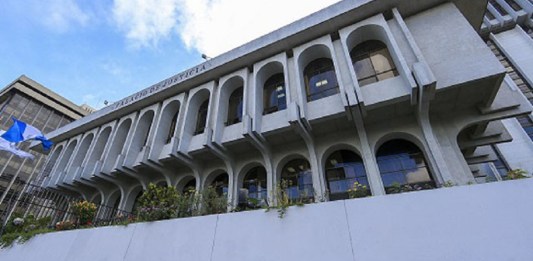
(20, 131)
(12, 147)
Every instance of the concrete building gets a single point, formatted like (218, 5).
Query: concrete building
(34, 104)
(378, 92)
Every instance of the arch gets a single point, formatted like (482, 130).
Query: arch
(131, 200)
(201, 121)
(319, 75)
(66, 156)
(235, 107)
(274, 94)
(52, 161)
(343, 168)
(372, 62)
(403, 167)
(142, 131)
(167, 123)
(99, 147)
(118, 143)
(219, 180)
(97, 198)
(271, 88)
(368, 41)
(253, 187)
(161, 183)
(187, 184)
(297, 179)
(82, 152)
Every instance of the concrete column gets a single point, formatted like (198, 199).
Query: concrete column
(369, 159)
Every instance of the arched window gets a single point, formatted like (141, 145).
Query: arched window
(190, 186)
(343, 169)
(320, 79)
(202, 118)
(235, 107)
(221, 184)
(274, 94)
(403, 167)
(172, 129)
(296, 178)
(254, 188)
(372, 62)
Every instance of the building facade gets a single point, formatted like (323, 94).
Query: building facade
(383, 93)
(38, 106)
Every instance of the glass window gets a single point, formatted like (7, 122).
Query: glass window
(320, 79)
(172, 129)
(202, 118)
(254, 188)
(403, 167)
(297, 180)
(372, 62)
(274, 94)
(235, 107)
(221, 184)
(345, 171)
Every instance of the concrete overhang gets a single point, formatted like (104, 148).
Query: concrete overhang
(323, 22)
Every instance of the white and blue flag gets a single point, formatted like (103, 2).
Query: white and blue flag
(12, 147)
(21, 131)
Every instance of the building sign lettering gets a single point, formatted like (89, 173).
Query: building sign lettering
(161, 86)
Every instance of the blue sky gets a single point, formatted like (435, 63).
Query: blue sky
(94, 50)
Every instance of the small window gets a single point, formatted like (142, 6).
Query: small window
(202, 118)
(320, 79)
(372, 62)
(235, 107)
(274, 98)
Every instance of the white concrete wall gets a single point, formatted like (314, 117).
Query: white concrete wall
(517, 153)
(518, 48)
(478, 222)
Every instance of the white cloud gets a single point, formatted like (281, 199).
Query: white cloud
(145, 21)
(59, 15)
(216, 26)
(208, 26)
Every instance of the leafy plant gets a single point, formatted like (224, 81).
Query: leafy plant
(189, 204)
(84, 211)
(448, 184)
(158, 203)
(283, 200)
(516, 174)
(358, 191)
(65, 225)
(212, 202)
(396, 187)
(22, 229)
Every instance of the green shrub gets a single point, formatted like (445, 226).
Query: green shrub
(516, 174)
(358, 191)
(158, 203)
(24, 229)
(212, 202)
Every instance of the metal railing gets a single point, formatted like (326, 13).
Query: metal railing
(41, 202)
